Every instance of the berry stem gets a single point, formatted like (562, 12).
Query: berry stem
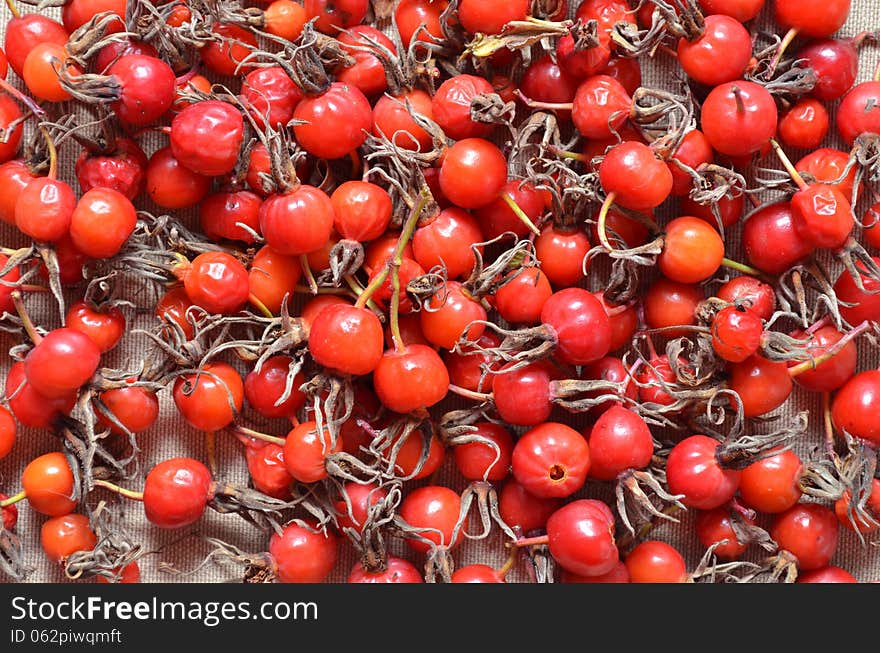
(211, 450)
(787, 164)
(741, 267)
(526, 220)
(53, 154)
(129, 494)
(394, 309)
(307, 273)
(13, 9)
(603, 217)
(737, 96)
(26, 322)
(550, 106)
(260, 306)
(829, 427)
(509, 564)
(829, 353)
(257, 435)
(34, 108)
(469, 394)
(15, 498)
(358, 290)
(783, 46)
(532, 541)
(408, 228)
(818, 325)
(565, 154)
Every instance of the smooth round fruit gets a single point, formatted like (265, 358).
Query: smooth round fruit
(655, 562)
(176, 492)
(581, 538)
(693, 470)
(551, 460)
(809, 531)
(303, 554)
(49, 485)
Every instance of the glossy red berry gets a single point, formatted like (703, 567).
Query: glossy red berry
(637, 178)
(694, 471)
(761, 384)
(551, 460)
(410, 378)
(580, 324)
(736, 333)
(520, 508)
(61, 362)
(581, 538)
(770, 485)
(816, 18)
(836, 64)
(720, 54)
(49, 484)
(297, 222)
(451, 106)
(739, 118)
(855, 407)
(480, 460)
(473, 173)
(619, 440)
(211, 398)
(306, 448)
(303, 554)
(522, 395)
(655, 562)
(265, 387)
(333, 331)
(809, 531)
(335, 122)
(433, 511)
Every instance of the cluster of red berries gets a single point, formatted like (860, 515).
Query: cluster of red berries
(401, 207)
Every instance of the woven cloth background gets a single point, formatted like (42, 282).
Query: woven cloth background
(172, 437)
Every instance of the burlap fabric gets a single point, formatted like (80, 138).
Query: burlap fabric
(171, 436)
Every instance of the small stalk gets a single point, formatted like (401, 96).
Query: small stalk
(15, 498)
(520, 214)
(26, 322)
(307, 273)
(742, 267)
(783, 46)
(13, 9)
(257, 435)
(603, 217)
(787, 164)
(53, 154)
(260, 306)
(550, 106)
(509, 564)
(830, 353)
(128, 494)
(34, 108)
(211, 450)
(405, 235)
(737, 96)
(469, 394)
(358, 290)
(829, 429)
(532, 541)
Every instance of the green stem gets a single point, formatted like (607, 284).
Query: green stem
(741, 267)
(15, 498)
(526, 220)
(130, 494)
(405, 235)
